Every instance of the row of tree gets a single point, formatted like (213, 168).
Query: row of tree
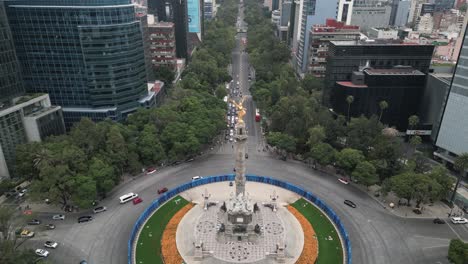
(361, 148)
(458, 251)
(91, 159)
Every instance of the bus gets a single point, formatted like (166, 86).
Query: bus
(258, 117)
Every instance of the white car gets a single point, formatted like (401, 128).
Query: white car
(195, 178)
(22, 192)
(50, 244)
(42, 252)
(459, 220)
(58, 217)
(99, 209)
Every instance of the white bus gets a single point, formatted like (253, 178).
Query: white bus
(127, 197)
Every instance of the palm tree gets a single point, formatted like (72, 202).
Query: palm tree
(349, 100)
(413, 121)
(461, 164)
(383, 105)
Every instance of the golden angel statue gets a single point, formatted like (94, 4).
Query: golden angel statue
(241, 110)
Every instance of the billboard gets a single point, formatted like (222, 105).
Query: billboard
(193, 10)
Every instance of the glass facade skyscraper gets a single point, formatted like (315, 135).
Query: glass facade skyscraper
(88, 54)
(10, 75)
(453, 131)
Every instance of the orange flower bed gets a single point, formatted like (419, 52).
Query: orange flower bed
(169, 250)
(310, 251)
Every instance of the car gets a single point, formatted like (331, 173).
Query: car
(459, 220)
(50, 226)
(231, 184)
(58, 217)
(350, 203)
(99, 209)
(137, 200)
(190, 160)
(438, 221)
(343, 180)
(22, 192)
(34, 222)
(26, 233)
(150, 170)
(83, 262)
(195, 178)
(50, 244)
(417, 211)
(234, 169)
(246, 155)
(42, 252)
(162, 190)
(83, 219)
(231, 139)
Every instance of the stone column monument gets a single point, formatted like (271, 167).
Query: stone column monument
(241, 139)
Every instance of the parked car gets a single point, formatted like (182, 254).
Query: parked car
(50, 226)
(162, 190)
(137, 200)
(350, 203)
(26, 233)
(42, 252)
(195, 178)
(150, 170)
(22, 192)
(99, 209)
(343, 180)
(246, 155)
(50, 244)
(459, 220)
(438, 221)
(34, 222)
(85, 218)
(58, 217)
(231, 184)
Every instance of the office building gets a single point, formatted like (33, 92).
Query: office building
(162, 43)
(433, 101)
(320, 37)
(401, 88)
(143, 18)
(442, 5)
(415, 11)
(311, 12)
(284, 26)
(425, 24)
(345, 11)
(383, 33)
(346, 57)
(402, 13)
(371, 16)
(209, 9)
(276, 17)
(427, 8)
(174, 11)
(452, 139)
(87, 55)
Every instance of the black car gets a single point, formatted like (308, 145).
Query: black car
(246, 155)
(85, 218)
(349, 203)
(438, 221)
(34, 222)
(231, 184)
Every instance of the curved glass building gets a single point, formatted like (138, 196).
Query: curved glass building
(88, 55)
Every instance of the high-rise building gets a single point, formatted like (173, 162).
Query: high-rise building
(143, 18)
(88, 55)
(425, 24)
(10, 78)
(402, 13)
(345, 11)
(174, 11)
(23, 118)
(162, 43)
(452, 139)
(442, 5)
(346, 57)
(209, 9)
(320, 37)
(311, 12)
(371, 16)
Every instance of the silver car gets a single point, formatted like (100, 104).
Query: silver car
(99, 209)
(58, 217)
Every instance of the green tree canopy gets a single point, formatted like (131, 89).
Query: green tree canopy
(365, 173)
(348, 158)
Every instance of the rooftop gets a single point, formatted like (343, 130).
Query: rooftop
(407, 71)
(351, 84)
(375, 42)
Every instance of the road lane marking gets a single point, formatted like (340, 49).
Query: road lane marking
(448, 224)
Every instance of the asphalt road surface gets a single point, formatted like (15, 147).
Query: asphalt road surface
(377, 236)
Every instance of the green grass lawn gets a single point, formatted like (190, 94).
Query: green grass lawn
(148, 249)
(330, 250)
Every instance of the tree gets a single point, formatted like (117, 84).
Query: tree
(348, 158)
(413, 121)
(282, 141)
(441, 175)
(316, 135)
(323, 153)
(349, 100)
(458, 251)
(385, 154)
(382, 105)
(402, 185)
(150, 148)
(365, 173)
(415, 141)
(103, 174)
(220, 91)
(165, 74)
(362, 133)
(311, 83)
(116, 148)
(461, 164)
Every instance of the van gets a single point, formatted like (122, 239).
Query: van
(127, 197)
(194, 178)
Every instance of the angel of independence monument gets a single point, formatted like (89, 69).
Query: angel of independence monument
(240, 218)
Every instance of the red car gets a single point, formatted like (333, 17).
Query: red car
(343, 180)
(137, 200)
(150, 170)
(163, 190)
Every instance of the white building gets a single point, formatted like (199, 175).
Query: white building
(425, 24)
(383, 33)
